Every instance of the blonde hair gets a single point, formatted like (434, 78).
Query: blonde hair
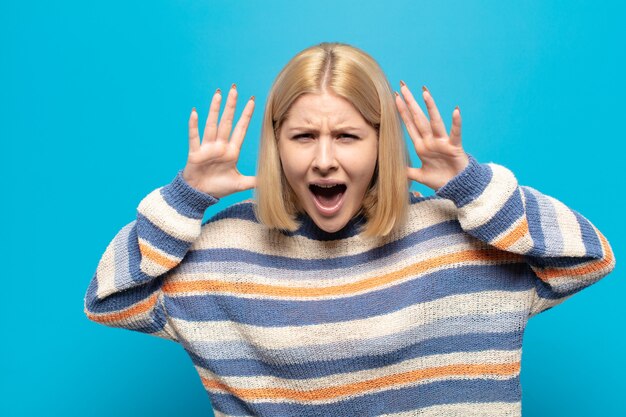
(351, 73)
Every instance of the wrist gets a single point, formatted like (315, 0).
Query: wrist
(467, 184)
(187, 199)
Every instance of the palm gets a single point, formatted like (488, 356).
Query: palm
(212, 166)
(442, 155)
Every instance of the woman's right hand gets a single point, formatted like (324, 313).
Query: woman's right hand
(212, 166)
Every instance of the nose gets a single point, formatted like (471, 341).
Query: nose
(325, 160)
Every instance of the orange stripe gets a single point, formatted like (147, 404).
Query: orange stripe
(273, 290)
(156, 257)
(137, 309)
(513, 236)
(589, 268)
(364, 386)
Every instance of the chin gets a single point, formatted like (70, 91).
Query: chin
(329, 225)
(330, 228)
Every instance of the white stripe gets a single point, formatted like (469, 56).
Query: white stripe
(220, 414)
(122, 256)
(570, 230)
(257, 238)
(166, 218)
(495, 409)
(233, 272)
(105, 272)
(549, 225)
(478, 212)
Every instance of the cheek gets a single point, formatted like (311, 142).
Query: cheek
(362, 164)
(292, 170)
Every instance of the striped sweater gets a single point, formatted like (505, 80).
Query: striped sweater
(427, 321)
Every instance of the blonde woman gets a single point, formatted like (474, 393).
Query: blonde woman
(336, 291)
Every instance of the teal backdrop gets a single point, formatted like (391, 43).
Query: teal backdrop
(95, 98)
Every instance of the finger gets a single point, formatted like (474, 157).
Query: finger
(436, 122)
(408, 122)
(421, 121)
(455, 132)
(194, 137)
(210, 128)
(246, 183)
(226, 124)
(242, 125)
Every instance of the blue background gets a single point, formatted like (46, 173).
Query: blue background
(95, 101)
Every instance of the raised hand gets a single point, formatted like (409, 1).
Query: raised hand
(442, 156)
(212, 166)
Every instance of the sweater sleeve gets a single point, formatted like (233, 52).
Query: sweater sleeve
(565, 250)
(125, 290)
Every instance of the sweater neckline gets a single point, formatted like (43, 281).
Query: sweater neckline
(309, 229)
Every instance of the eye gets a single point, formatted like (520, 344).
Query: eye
(347, 137)
(303, 136)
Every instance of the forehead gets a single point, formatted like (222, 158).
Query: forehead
(315, 109)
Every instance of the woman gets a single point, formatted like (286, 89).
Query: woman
(336, 291)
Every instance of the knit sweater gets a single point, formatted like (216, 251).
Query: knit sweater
(426, 321)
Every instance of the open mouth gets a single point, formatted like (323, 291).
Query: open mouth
(328, 196)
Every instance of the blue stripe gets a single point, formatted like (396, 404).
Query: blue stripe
(185, 199)
(134, 273)
(319, 367)
(158, 238)
(555, 261)
(243, 211)
(278, 312)
(509, 213)
(121, 254)
(541, 214)
(533, 215)
(553, 292)
(436, 329)
(393, 400)
(552, 242)
(119, 300)
(241, 255)
(468, 185)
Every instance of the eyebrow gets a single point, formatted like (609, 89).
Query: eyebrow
(335, 130)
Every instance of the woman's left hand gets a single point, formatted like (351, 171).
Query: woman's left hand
(442, 156)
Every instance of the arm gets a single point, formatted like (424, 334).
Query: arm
(566, 252)
(126, 288)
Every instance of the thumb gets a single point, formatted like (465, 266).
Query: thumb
(415, 174)
(247, 182)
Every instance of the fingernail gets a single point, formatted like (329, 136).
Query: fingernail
(233, 86)
(218, 91)
(252, 98)
(402, 83)
(193, 110)
(396, 93)
(457, 107)
(425, 89)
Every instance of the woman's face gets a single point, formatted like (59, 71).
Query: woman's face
(328, 153)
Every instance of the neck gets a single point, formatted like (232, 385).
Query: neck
(309, 229)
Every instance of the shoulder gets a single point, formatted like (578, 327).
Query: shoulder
(427, 211)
